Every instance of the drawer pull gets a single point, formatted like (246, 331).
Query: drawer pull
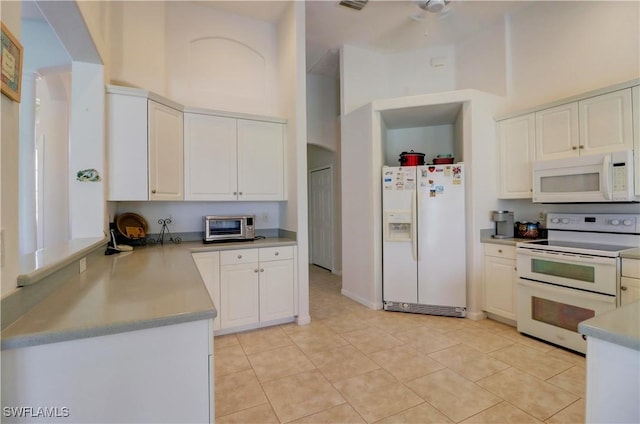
(255, 270)
(239, 256)
(499, 250)
(277, 253)
(261, 269)
(623, 288)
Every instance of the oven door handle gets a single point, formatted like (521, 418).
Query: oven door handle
(559, 256)
(550, 288)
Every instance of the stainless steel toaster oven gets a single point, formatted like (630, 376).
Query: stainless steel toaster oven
(219, 228)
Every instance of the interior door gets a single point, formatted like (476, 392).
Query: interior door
(321, 220)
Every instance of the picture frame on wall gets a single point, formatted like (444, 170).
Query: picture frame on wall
(11, 54)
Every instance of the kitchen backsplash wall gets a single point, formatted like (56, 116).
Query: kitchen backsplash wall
(187, 216)
(524, 210)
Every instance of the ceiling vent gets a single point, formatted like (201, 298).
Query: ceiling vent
(353, 4)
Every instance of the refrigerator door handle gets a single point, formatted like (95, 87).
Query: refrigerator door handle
(414, 238)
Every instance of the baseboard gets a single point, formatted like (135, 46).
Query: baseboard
(303, 320)
(360, 300)
(476, 316)
(253, 326)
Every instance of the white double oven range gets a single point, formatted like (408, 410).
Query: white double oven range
(573, 275)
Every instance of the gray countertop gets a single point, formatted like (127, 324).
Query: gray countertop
(631, 253)
(620, 326)
(506, 241)
(148, 287)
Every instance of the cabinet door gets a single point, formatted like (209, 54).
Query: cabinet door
(165, 153)
(239, 295)
(516, 144)
(210, 157)
(499, 286)
(127, 147)
(276, 290)
(606, 123)
(557, 132)
(260, 160)
(636, 135)
(629, 290)
(208, 264)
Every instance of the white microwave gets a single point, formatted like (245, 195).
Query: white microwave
(592, 178)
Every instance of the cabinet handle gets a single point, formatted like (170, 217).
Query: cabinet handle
(239, 256)
(574, 148)
(240, 193)
(153, 192)
(261, 269)
(235, 193)
(623, 288)
(515, 268)
(499, 250)
(255, 270)
(277, 253)
(581, 146)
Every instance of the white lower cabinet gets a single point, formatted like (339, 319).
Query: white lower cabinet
(276, 284)
(500, 280)
(255, 285)
(239, 293)
(630, 282)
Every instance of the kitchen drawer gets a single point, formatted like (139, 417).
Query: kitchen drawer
(631, 268)
(276, 253)
(240, 256)
(500, 250)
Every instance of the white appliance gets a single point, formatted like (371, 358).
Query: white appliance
(424, 266)
(585, 179)
(573, 275)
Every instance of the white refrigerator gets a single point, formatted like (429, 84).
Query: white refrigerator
(424, 260)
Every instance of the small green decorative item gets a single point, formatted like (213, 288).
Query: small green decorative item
(90, 175)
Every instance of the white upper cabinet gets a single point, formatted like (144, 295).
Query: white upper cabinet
(598, 124)
(636, 136)
(557, 132)
(260, 160)
(165, 153)
(516, 140)
(210, 157)
(606, 122)
(144, 148)
(233, 159)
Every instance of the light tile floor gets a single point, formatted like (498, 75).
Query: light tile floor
(356, 365)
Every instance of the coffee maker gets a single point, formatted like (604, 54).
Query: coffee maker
(504, 224)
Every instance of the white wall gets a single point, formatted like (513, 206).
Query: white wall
(187, 216)
(553, 50)
(9, 131)
(197, 55)
(137, 49)
(86, 150)
(366, 75)
(323, 111)
(292, 104)
(481, 61)
(52, 133)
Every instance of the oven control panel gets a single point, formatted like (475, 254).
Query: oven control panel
(607, 223)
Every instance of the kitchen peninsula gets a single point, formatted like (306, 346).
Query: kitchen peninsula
(128, 339)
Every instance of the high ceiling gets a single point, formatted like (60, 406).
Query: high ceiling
(382, 25)
(394, 25)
